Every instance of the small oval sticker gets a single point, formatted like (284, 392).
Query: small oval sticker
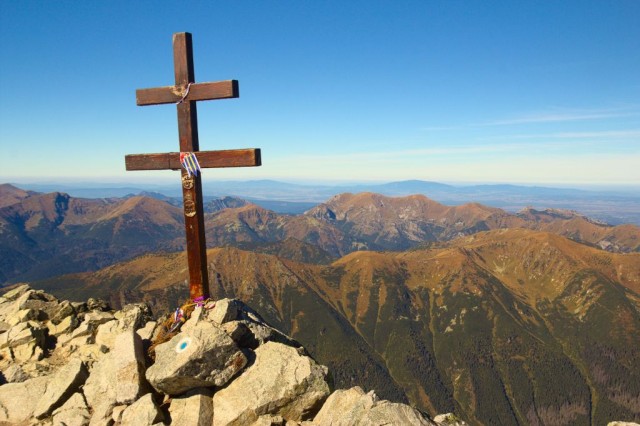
(183, 344)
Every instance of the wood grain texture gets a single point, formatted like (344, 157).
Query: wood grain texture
(197, 92)
(207, 159)
(188, 134)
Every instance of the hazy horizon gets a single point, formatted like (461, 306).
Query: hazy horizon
(79, 183)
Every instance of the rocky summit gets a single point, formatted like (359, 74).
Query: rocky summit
(80, 363)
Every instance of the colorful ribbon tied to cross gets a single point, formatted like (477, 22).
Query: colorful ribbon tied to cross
(178, 319)
(190, 163)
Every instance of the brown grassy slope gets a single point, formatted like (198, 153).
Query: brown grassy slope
(445, 326)
(9, 195)
(580, 228)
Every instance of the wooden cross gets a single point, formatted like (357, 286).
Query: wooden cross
(185, 93)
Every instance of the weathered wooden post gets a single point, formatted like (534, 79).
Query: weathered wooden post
(184, 94)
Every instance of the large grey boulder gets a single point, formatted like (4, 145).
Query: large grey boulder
(23, 315)
(450, 419)
(74, 412)
(133, 316)
(192, 409)
(24, 342)
(106, 334)
(146, 332)
(65, 326)
(269, 420)
(281, 381)
(85, 333)
(24, 332)
(24, 303)
(142, 412)
(622, 424)
(14, 293)
(64, 383)
(129, 366)
(225, 310)
(100, 390)
(38, 300)
(14, 300)
(62, 311)
(355, 407)
(245, 326)
(13, 373)
(18, 400)
(201, 356)
(117, 378)
(92, 320)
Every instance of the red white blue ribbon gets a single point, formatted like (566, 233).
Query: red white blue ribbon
(190, 163)
(178, 319)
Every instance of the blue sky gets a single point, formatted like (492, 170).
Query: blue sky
(541, 92)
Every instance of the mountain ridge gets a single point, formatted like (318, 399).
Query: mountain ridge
(613, 205)
(86, 234)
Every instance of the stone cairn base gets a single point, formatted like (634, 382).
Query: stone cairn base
(67, 363)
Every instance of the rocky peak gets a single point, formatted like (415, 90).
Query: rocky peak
(227, 202)
(10, 194)
(83, 364)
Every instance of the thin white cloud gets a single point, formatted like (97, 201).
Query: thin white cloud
(602, 134)
(608, 134)
(438, 128)
(564, 116)
(554, 116)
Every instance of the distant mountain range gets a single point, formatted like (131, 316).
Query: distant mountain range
(44, 235)
(611, 206)
(505, 318)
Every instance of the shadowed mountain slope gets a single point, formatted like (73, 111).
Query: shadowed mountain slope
(51, 234)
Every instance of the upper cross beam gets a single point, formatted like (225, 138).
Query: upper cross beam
(196, 92)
